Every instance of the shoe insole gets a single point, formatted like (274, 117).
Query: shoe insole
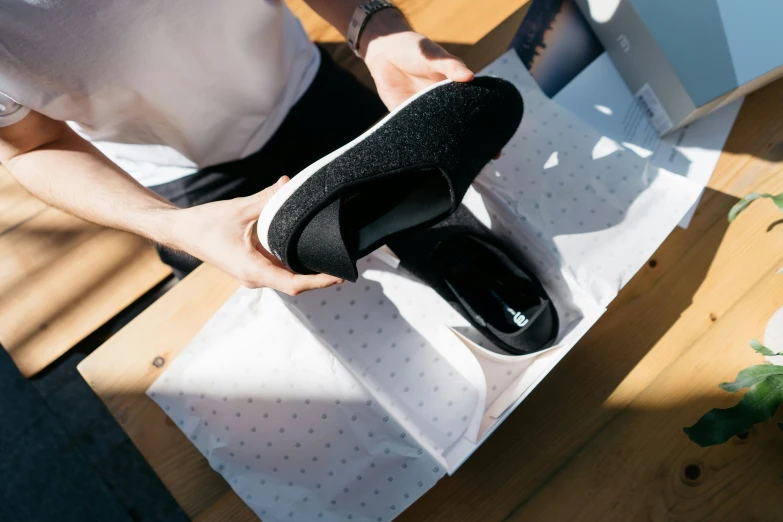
(488, 288)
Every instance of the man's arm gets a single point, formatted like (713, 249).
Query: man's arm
(55, 164)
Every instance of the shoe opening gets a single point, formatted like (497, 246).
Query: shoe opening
(361, 220)
(391, 204)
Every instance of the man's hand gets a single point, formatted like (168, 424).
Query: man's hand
(223, 234)
(403, 62)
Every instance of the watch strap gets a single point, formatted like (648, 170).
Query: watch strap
(359, 20)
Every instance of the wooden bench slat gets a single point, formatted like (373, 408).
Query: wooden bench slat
(621, 470)
(61, 278)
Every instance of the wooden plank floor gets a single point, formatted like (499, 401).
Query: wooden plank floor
(601, 438)
(61, 277)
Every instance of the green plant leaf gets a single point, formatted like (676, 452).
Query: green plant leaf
(742, 204)
(757, 405)
(760, 348)
(750, 376)
(750, 198)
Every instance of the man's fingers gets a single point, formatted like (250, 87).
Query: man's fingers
(454, 69)
(271, 273)
(293, 284)
(302, 283)
(444, 62)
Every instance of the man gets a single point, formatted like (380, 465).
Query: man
(186, 115)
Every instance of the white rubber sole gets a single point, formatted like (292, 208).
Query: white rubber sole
(273, 206)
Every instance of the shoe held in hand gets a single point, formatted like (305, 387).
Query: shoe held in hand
(408, 172)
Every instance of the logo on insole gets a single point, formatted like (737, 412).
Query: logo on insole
(520, 319)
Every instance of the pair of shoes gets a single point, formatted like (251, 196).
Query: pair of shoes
(405, 174)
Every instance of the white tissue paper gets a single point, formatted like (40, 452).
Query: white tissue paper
(349, 403)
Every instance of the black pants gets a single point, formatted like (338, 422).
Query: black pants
(335, 109)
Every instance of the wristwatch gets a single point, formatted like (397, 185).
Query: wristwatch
(359, 19)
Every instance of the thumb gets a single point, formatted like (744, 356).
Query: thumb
(263, 197)
(251, 206)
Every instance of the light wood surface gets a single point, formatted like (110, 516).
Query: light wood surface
(601, 438)
(61, 278)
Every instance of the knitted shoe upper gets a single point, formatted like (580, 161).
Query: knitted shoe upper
(449, 133)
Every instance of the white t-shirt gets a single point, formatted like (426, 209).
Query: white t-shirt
(162, 87)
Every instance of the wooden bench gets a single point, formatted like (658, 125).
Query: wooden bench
(61, 277)
(601, 438)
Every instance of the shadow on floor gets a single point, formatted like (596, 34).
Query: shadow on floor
(64, 457)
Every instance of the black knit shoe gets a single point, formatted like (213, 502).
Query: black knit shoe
(409, 171)
(482, 279)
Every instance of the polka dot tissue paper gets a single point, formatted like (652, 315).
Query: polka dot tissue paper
(349, 403)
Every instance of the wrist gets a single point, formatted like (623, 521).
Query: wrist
(167, 226)
(381, 24)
